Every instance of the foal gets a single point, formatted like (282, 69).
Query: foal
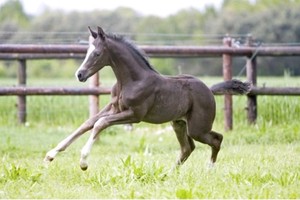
(142, 94)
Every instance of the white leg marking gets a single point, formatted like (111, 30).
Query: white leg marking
(85, 152)
(50, 155)
(63, 145)
(211, 165)
(60, 147)
(88, 146)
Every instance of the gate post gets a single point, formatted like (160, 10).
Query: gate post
(22, 98)
(94, 99)
(227, 75)
(251, 77)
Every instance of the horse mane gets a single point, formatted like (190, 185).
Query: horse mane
(140, 53)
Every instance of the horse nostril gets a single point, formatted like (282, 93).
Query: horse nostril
(79, 75)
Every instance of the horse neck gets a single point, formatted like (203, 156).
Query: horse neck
(128, 66)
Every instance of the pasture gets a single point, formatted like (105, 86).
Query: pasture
(259, 161)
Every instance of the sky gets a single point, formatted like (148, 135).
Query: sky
(160, 8)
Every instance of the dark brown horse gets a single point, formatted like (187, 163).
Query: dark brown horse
(142, 94)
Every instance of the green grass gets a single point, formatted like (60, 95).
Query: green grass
(259, 161)
(136, 165)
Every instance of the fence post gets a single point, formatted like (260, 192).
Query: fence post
(251, 77)
(94, 99)
(22, 98)
(227, 75)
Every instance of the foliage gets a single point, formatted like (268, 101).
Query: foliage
(282, 27)
(12, 19)
(187, 27)
(12, 12)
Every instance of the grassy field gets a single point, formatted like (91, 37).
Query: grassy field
(259, 161)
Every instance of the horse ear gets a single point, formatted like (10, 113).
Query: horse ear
(92, 33)
(101, 33)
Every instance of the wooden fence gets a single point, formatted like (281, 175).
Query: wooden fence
(21, 53)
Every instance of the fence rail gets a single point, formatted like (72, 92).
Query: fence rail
(13, 51)
(64, 91)
(27, 52)
(21, 90)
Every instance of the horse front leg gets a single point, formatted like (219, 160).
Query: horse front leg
(87, 125)
(102, 123)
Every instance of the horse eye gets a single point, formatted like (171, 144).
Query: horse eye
(97, 53)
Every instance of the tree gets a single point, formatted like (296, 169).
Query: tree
(13, 11)
(266, 24)
(12, 19)
(261, 18)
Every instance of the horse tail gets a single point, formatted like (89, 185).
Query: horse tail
(231, 87)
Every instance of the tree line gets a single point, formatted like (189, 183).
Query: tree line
(270, 22)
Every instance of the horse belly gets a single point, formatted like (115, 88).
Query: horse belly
(167, 108)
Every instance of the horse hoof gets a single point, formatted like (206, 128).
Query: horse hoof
(83, 167)
(48, 159)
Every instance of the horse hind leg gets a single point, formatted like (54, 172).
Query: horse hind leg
(186, 143)
(215, 143)
(214, 140)
(211, 138)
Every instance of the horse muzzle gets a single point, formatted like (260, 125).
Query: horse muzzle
(81, 75)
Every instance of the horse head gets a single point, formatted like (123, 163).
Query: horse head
(97, 55)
